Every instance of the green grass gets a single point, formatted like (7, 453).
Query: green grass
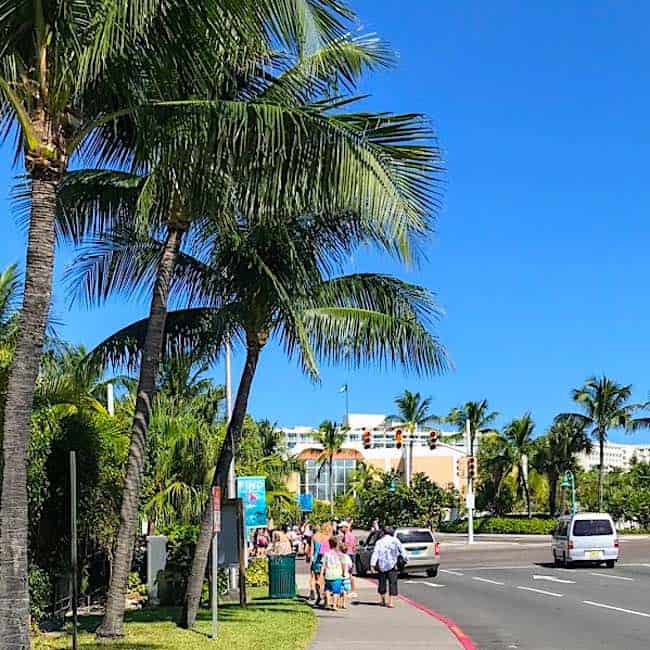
(280, 624)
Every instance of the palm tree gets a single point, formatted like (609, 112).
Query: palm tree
(605, 406)
(556, 453)
(517, 437)
(480, 420)
(331, 438)
(412, 411)
(272, 439)
(67, 71)
(264, 280)
(9, 297)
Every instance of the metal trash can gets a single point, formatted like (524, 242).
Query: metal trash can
(282, 576)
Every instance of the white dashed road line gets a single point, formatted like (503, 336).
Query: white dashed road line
(453, 573)
(616, 609)
(552, 579)
(541, 591)
(492, 582)
(433, 584)
(609, 576)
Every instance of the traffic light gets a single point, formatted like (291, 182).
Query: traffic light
(367, 439)
(461, 468)
(398, 438)
(433, 439)
(471, 467)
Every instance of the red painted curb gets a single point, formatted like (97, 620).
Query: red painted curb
(463, 639)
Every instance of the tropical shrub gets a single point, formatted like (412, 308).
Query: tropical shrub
(502, 526)
(257, 573)
(40, 593)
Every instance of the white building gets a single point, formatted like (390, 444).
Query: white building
(617, 456)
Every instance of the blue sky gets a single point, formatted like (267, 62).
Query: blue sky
(540, 258)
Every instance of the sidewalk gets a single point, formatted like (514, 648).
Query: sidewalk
(366, 625)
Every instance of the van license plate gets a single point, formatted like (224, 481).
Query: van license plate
(594, 555)
(415, 552)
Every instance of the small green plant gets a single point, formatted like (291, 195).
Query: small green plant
(40, 593)
(257, 574)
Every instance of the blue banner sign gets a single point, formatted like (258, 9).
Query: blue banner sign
(252, 491)
(306, 502)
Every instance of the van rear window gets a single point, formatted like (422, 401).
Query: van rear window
(592, 527)
(416, 537)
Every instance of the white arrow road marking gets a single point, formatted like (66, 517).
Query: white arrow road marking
(453, 573)
(607, 576)
(552, 579)
(433, 584)
(492, 582)
(616, 609)
(541, 591)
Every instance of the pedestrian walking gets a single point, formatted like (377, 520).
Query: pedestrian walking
(388, 559)
(375, 525)
(332, 574)
(319, 546)
(346, 563)
(350, 540)
(281, 545)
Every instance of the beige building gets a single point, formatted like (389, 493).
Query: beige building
(440, 465)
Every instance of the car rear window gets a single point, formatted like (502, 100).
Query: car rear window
(416, 537)
(591, 527)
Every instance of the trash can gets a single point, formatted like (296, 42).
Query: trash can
(282, 576)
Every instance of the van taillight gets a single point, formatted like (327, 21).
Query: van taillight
(570, 546)
(615, 543)
(436, 548)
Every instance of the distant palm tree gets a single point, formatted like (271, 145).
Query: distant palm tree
(413, 411)
(518, 440)
(480, 420)
(556, 453)
(606, 406)
(331, 438)
(272, 438)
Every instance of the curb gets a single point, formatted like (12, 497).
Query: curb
(462, 638)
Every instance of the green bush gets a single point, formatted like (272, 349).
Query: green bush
(40, 593)
(502, 526)
(257, 574)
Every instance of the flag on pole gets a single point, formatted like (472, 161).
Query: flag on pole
(343, 389)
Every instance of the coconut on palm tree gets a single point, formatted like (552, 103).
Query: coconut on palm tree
(331, 438)
(606, 405)
(517, 437)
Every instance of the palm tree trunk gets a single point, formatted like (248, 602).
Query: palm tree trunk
(601, 469)
(331, 482)
(112, 625)
(195, 581)
(14, 592)
(552, 495)
(527, 495)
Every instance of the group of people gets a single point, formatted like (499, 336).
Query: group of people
(281, 541)
(331, 556)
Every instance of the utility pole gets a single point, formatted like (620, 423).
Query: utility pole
(232, 485)
(73, 543)
(469, 451)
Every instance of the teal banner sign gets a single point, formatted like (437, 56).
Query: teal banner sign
(252, 491)
(306, 502)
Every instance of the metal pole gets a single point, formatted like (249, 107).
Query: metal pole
(232, 481)
(110, 399)
(470, 486)
(215, 585)
(73, 543)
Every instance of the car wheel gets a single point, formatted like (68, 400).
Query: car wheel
(610, 564)
(432, 573)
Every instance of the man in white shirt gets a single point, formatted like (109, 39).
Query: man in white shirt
(384, 561)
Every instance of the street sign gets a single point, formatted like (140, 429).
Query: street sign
(252, 491)
(216, 509)
(306, 502)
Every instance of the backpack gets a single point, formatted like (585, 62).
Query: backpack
(334, 568)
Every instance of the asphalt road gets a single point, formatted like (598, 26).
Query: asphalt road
(505, 594)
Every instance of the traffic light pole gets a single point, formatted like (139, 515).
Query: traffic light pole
(470, 486)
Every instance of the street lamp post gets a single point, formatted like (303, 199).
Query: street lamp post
(570, 481)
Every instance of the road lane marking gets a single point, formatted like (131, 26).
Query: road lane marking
(433, 584)
(607, 576)
(541, 591)
(493, 568)
(492, 582)
(453, 573)
(616, 609)
(552, 579)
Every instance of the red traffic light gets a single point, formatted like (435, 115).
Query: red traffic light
(471, 467)
(433, 439)
(398, 438)
(367, 440)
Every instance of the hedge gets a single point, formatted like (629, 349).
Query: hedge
(502, 526)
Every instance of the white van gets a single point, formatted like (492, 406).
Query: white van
(585, 537)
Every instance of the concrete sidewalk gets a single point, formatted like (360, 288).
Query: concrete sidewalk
(366, 625)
